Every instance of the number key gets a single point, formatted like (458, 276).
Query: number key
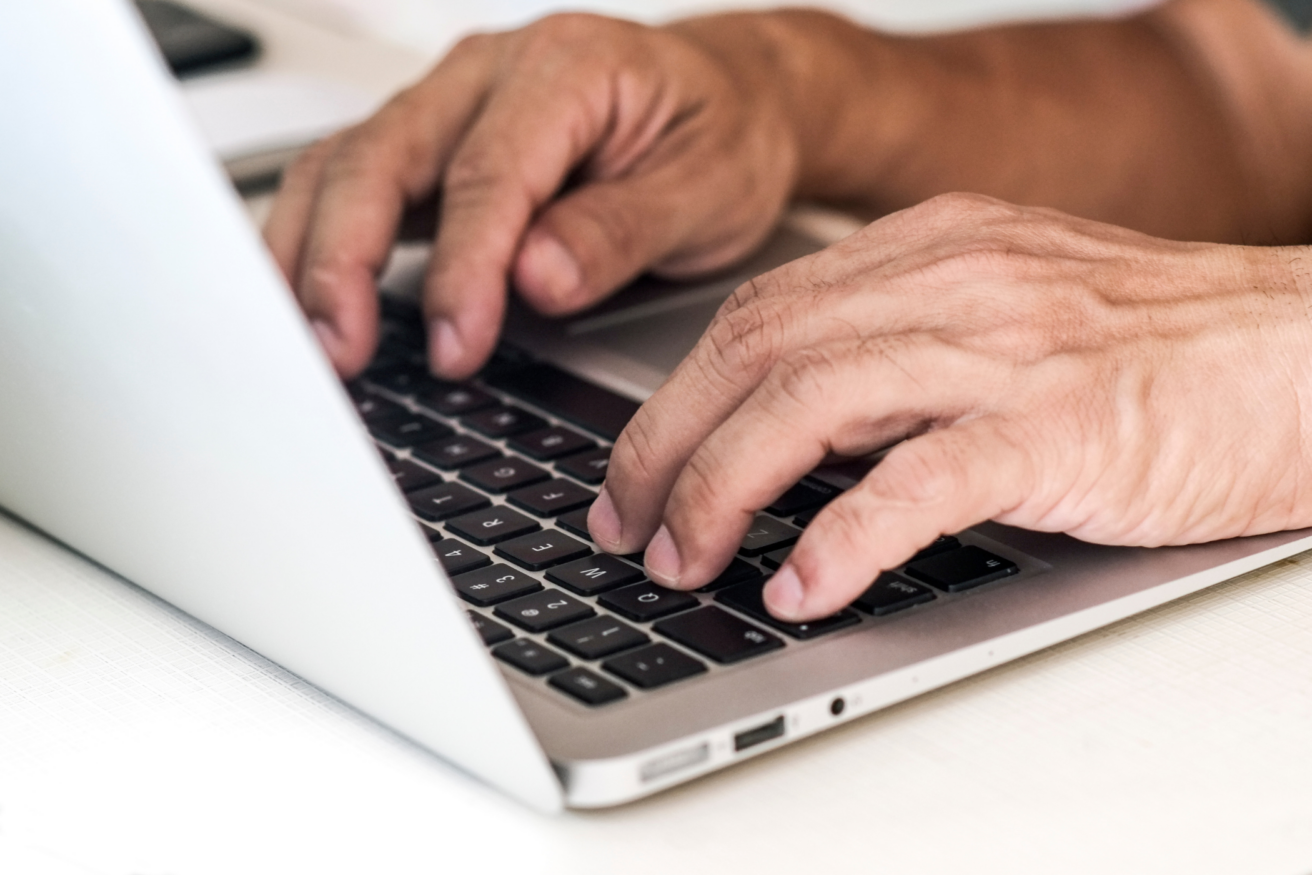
(503, 475)
(457, 557)
(493, 584)
(544, 610)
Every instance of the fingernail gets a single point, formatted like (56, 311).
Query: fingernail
(555, 269)
(662, 558)
(445, 347)
(783, 593)
(604, 522)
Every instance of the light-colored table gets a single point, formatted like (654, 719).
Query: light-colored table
(134, 741)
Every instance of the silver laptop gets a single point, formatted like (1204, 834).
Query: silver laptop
(413, 547)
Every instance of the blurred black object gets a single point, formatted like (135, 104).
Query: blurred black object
(191, 42)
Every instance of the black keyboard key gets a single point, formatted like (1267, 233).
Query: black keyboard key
(597, 637)
(372, 408)
(457, 557)
(387, 360)
(437, 503)
(593, 574)
(452, 399)
(766, 534)
(544, 610)
(803, 496)
(408, 429)
(408, 476)
(942, 544)
(542, 550)
(718, 634)
(530, 656)
(562, 394)
(891, 592)
(503, 421)
(590, 466)
(802, 520)
(775, 559)
(490, 631)
(737, 572)
(455, 452)
(402, 377)
(492, 524)
(552, 498)
(586, 686)
(647, 601)
(496, 583)
(576, 522)
(961, 569)
(653, 666)
(747, 598)
(503, 475)
(551, 442)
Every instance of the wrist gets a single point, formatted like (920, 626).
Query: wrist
(814, 72)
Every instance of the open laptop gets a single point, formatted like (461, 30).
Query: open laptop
(165, 411)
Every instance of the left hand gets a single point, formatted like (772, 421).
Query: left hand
(1045, 371)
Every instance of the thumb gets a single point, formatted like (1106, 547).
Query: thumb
(599, 237)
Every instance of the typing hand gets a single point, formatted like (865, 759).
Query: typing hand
(569, 157)
(1046, 371)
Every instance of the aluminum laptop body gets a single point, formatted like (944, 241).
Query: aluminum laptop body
(165, 411)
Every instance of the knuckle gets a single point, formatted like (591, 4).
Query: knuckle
(633, 456)
(964, 206)
(552, 32)
(472, 44)
(700, 482)
(472, 175)
(745, 339)
(356, 152)
(744, 294)
(805, 377)
(306, 167)
(758, 289)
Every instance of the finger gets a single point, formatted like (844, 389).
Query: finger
(289, 217)
(935, 484)
(377, 168)
(601, 236)
(531, 134)
(848, 398)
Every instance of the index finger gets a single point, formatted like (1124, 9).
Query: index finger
(534, 130)
(373, 172)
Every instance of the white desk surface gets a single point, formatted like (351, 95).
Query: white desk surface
(134, 741)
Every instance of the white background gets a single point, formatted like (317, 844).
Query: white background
(432, 24)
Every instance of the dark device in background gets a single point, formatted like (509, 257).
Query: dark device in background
(191, 42)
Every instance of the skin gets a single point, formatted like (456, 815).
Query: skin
(1045, 371)
(563, 159)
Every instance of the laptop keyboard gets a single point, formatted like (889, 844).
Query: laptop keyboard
(500, 472)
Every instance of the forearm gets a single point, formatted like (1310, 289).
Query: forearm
(1141, 121)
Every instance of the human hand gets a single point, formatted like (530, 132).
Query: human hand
(1048, 372)
(569, 156)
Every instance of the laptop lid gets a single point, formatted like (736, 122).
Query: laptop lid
(164, 410)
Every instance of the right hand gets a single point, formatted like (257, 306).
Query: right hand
(568, 157)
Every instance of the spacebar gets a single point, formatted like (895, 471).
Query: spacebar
(562, 394)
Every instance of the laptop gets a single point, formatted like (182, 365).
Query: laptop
(413, 547)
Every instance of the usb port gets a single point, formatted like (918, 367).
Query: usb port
(759, 735)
